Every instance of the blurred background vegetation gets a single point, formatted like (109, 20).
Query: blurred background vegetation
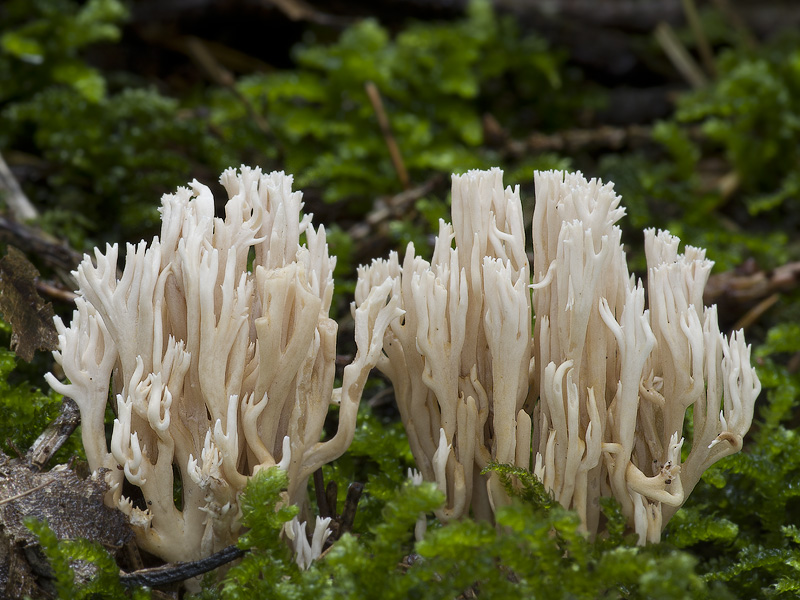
(691, 108)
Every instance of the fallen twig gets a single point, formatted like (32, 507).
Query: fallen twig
(55, 292)
(21, 208)
(383, 121)
(679, 56)
(703, 46)
(748, 284)
(32, 241)
(605, 137)
(198, 51)
(55, 435)
(26, 492)
(299, 10)
(176, 572)
(724, 6)
(752, 315)
(391, 207)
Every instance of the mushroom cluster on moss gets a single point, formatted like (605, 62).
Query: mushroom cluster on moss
(591, 394)
(219, 353)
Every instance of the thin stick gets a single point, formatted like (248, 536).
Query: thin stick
(48, 289)
(724, 6)
(26, 492)
(55, 435)
(319, 492)
(679, 56)
(752, 315)
(703, 46)
(383, 121)
(175, 572)
(348, 516)
(21, 208)
(198, 51)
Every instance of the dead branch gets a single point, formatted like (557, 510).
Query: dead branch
(604, 138)
(748, 284)
(54, 436)
(177, 572)
(34, 242)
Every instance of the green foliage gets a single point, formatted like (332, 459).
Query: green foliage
(105, 155)
(367, 567)
(539, 551)
(103, 585)
(753, 112)
(670, 194)
(355, 567)
(41, 44)
(103, 152)
(379, 456)
(435, 81)
(130, 146)
(536, 551)
(264, 568)
(521, 483)
(262, 512)
(102, 146)
(25, 410)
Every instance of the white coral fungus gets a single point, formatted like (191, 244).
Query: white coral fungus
(218, 350)
(593, 399)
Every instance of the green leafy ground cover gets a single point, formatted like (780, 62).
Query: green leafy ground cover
(100, 145)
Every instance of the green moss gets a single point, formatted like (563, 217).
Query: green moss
(25, 411)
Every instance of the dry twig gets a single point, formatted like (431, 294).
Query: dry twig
(383, 121)
(392, 207)
(299, 10)
(752, 315)
(176, 572)
(679, 56)
(724, 6)
(54, 436)
(21, 208)
(703, 46)
(198, 51)
(25, 493)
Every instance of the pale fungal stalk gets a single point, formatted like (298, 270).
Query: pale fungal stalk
(421, 526)
(593, 400)
(220, 356)
(306, 552)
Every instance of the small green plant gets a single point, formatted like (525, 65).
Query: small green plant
(25, 410)
(42, 41)
(753, 112)
(436, 80)
(103, 151)
(751, 115)
(104, 585)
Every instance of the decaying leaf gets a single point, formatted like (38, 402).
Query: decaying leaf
(30, 317)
